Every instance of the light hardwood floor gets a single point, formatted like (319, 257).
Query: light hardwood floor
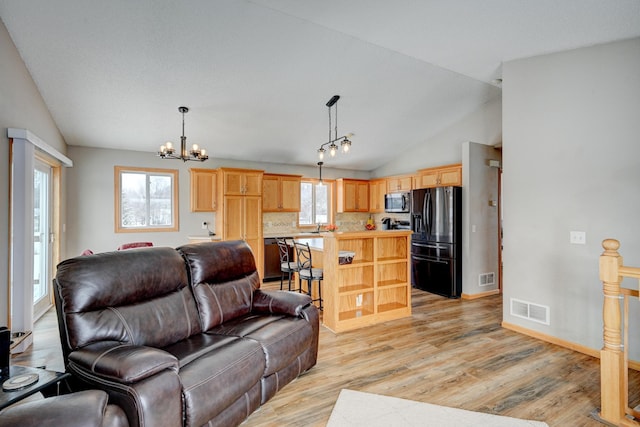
(450, 352)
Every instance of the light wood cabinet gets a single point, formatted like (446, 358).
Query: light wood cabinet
(377, 190)
(399, 183)
(240, 206)
(241, 182)
(375, 287)
(203, 189)
(281, 193)
(440, 176)
(352, 195)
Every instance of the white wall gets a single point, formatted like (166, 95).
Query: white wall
(482, 126)
(480, 219)
(90, 190)
(21, 106)
(571, 150)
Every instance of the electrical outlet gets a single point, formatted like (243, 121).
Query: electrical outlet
(578, 237)
(204, 225)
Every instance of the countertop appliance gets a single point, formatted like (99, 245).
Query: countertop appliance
(272, 259)
(436, 242)
(397, 202)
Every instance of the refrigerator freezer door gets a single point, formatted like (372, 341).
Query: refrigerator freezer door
(436, 275)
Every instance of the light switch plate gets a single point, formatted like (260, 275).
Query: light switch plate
(578, 237)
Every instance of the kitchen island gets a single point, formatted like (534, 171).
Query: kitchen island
(375, 287)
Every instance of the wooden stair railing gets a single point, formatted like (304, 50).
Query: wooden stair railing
(614, 356)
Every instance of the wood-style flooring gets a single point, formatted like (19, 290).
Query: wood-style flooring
(450, 352)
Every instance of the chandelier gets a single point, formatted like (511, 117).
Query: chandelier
(195, 154)
(345, 143)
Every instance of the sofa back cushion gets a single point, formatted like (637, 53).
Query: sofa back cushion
(223, 277)
(140, 296)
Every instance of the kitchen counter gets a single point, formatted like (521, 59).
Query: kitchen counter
(203, 238)
(295, 234)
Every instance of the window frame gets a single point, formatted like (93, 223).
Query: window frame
(175, 218)
(331, 198)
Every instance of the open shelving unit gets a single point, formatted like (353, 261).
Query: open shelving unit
(375, 287)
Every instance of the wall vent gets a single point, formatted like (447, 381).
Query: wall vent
(530, 311)
(486, 279)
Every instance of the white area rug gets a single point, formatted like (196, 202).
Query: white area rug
(354, 408)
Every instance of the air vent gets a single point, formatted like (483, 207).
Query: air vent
(487, 279)
(530, 311)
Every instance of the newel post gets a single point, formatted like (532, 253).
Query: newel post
(612, 383)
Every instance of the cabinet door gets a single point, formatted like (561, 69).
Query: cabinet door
(271, 194)
(233, 218)
(203, 190)
(253, 183)
(399, 183)
(451, 176)
(429, 179)
(362, 197)
(289, 194)
(233, 183)
(349, 196)
(252, 217)
(377, 190)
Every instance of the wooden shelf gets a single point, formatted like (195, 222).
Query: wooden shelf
(390, 307)
(375, 287)
(390, 283)
(354, 314)
(355, 288)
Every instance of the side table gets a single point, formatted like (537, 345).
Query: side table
(46, 379)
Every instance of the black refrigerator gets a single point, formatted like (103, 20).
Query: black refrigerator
(436, 242)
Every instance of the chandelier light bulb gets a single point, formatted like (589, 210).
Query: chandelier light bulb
(194, 147)
(203, 152)
(169, 146)
(321, 153)
(333, 149)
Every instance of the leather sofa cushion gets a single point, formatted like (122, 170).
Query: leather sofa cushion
(224, 277)
(282, 338)
(219, 378)
(81, 409)
(124, 296)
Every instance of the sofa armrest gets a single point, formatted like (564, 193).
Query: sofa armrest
(82, 409)
(280, 302)
(120, 363)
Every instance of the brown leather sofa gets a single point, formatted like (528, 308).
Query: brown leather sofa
(83, 409)
(181, 337)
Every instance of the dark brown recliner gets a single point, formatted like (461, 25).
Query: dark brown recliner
(181, 337)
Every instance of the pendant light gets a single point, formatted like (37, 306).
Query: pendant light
(195, 154)
(345, 143)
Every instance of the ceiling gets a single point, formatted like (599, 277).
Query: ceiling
(257, 74)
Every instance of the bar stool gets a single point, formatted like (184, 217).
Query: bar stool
(306, 270)
(287, 265)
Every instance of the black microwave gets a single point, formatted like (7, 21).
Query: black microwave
(397, 202)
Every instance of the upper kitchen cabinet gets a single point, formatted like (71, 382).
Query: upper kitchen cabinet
(377, 190)
(352, 195)
(440, 177)
(281, 193)
(241, 182)
(203, 189)
(399, 183)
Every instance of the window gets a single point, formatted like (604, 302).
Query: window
(315, 203)
(146, 199)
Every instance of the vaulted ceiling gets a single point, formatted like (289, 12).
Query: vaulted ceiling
(257, 74)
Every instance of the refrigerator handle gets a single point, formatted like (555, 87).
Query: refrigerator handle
(426, 211)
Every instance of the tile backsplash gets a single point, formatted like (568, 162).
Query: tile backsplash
(287, 222)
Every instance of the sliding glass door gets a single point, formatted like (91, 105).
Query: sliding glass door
(42, 237)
